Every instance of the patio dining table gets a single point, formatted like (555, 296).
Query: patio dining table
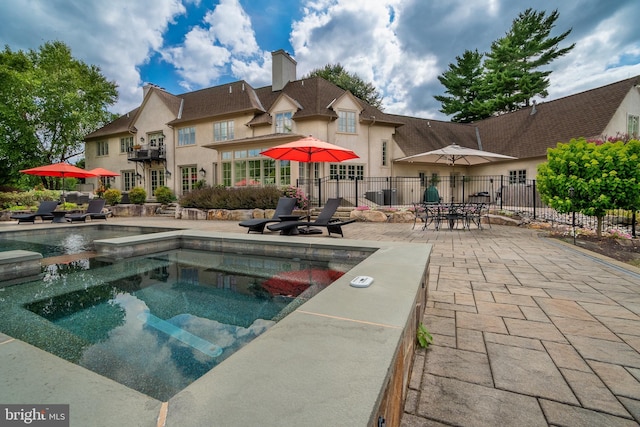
(453, 214)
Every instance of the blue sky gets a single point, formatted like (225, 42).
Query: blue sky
(401, 46)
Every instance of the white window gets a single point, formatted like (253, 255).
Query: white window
(284, 124)
(632, 126)
(187, 136)
(248, 168)
(102, 148)
(157, 179)
(347, 121)
(384, 153)
(223, 131)
(518, 177)
(128, 180)
(157, 140)
(346, 171)
(126, 144)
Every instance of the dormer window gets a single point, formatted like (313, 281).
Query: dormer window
(346, 121)
(284, 124)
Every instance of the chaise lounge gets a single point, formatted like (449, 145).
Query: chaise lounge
(44, 211)
(94, 211)
(284, 207)
(325, 219)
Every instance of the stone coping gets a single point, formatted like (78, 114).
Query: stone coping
(338, 359)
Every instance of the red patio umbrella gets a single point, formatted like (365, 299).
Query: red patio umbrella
(62, 170)
(103, 172)
(310, 150)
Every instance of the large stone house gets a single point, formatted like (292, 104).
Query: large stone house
(217, 134)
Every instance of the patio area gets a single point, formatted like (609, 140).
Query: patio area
(527, 331)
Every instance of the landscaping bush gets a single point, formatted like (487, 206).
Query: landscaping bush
(232, 198)
(164, 195)
(27, 199)
(112, 196)
(137, 195)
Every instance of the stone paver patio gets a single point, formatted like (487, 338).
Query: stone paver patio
(527, 331)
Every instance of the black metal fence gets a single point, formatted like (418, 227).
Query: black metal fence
(500, 192)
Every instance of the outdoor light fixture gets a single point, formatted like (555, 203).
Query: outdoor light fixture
(138, 176)
(203, 172)
(142, 139)
(167, 173)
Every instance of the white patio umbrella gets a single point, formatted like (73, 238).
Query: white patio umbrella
(455, 154)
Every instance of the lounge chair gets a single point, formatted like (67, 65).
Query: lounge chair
(284, 207)
(94, 211)
(325, 219)
(44, 212)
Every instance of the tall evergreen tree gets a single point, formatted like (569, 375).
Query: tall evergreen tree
(510, 75)
(339, 76)
(464, 81)
(514, 62)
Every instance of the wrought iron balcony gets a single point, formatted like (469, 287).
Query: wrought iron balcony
(145, 153)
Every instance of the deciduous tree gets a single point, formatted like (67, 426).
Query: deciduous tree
(602, 177)
(336, 74)
(50, 102)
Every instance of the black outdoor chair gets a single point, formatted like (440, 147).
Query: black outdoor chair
(284, 207)
(325, 219)
(44, 212)
(94, 211)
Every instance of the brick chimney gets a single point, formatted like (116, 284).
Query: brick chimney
(283, 69)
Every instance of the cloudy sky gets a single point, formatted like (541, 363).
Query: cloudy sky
(401, 46)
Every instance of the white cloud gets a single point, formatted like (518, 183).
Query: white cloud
(224, 44)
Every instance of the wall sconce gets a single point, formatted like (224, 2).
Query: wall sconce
(203, 172)
(167, 173)
(142, 139)
(138, 176)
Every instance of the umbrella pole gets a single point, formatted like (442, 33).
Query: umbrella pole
(307, 229)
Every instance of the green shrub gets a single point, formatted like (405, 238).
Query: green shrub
(164, 195)
(232, 198)
(112, 196)
(29, 198)
(137, 195)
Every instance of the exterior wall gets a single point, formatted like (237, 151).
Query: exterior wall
(630, 105)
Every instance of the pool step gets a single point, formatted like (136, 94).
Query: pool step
(186, 337)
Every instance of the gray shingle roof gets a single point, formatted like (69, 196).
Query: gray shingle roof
(519, 134)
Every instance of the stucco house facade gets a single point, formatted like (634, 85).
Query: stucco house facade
(216, 134)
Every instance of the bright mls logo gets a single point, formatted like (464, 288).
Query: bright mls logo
(34, 415)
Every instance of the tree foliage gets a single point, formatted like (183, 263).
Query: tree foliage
(603, 177)
(511, 74)
(336, 74)
(50, 102)
(465, 85)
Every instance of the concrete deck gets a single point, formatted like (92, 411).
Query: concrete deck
(527, 331)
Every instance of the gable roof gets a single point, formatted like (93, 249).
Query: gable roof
(530, 131)
(525, 133)
(123, 124)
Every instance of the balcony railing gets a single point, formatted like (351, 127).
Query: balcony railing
(146, 153)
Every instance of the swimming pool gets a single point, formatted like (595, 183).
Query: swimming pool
(341, 358)
(157, 323)
(56, 241)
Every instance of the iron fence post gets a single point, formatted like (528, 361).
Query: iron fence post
(534, 199)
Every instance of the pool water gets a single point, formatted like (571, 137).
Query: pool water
(68, 240)
(157, 323)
